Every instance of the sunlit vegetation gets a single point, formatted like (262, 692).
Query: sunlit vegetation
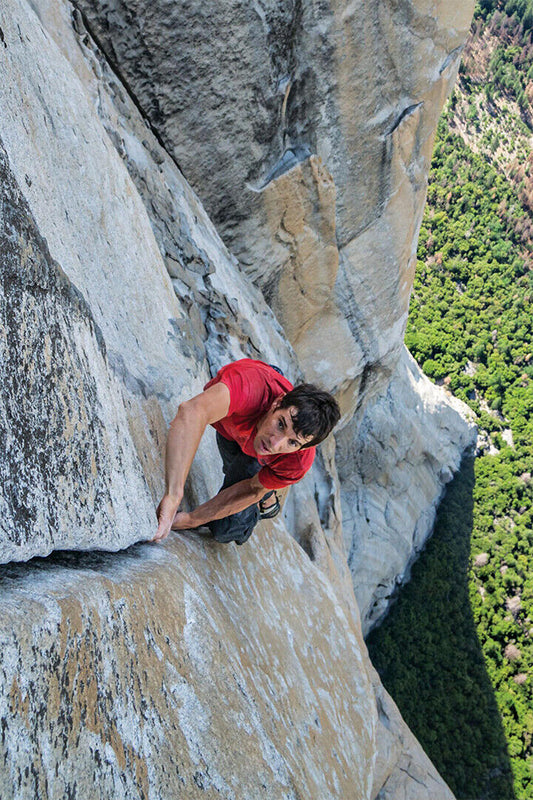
(458, 647)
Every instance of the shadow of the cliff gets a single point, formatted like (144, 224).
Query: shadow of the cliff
(116, 564)
(429, 657)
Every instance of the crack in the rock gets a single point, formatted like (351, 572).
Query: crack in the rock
(452, 56)
(416, 780)
(82, 27)
(403, 114)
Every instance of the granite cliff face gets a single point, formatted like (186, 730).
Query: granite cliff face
(192, 669)
(164, 672)
(307, 130)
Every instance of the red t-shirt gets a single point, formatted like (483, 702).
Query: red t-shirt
(253, 387)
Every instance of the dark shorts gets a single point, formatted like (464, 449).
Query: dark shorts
(237, 467)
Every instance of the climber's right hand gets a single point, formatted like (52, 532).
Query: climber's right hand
(166, 511)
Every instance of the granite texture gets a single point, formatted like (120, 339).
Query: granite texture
(186, 670)
(192, 669)
(307, 130)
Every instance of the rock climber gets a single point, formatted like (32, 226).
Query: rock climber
(266, 431)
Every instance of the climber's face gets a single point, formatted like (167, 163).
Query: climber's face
(275, 432)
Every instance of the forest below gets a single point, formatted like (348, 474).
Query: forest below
(456, 651)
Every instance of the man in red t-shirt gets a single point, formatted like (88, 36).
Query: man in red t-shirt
(266, 433)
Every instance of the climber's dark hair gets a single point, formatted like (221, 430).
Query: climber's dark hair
(317, 412)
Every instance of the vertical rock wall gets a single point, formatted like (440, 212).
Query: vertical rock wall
(360, 87)
(132, 673)
(409, 444)
(69, 462)
(307, 129)
(94, 329)
(90, 338)
(180, 669)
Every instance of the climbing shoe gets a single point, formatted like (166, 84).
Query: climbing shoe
(268, 510)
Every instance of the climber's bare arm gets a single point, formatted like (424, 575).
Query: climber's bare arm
(185, 432)
(229, 501)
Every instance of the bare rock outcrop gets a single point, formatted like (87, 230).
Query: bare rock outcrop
(132, 672)
(307, 129)
(408, 445)
(94, 332)
(357, 88)
(189, 671)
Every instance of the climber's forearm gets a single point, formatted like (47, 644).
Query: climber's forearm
(227, 502)
(185, 433)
